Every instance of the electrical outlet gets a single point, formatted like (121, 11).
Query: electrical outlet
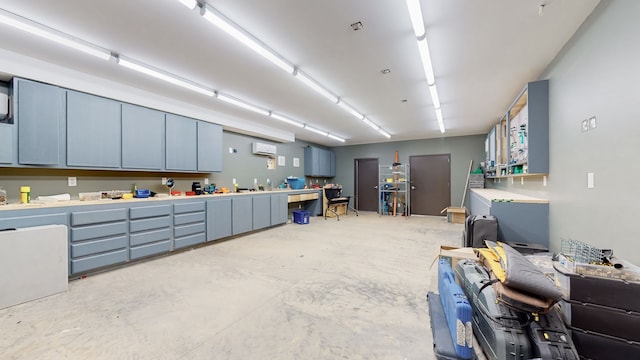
(164, 181)
(585, 125)
(72, 181)
(206, 181)
(592, 122)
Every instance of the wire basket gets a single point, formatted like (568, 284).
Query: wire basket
(581, 252)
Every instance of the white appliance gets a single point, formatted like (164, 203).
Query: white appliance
(259, 148)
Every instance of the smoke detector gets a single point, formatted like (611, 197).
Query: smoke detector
(357, 26)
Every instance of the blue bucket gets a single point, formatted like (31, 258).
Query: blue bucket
(295, 182)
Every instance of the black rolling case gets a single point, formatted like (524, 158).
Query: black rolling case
(501, 332)
(442, 342)
(550, 338)
(478, 228)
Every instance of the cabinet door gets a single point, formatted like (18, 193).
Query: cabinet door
(39, 112)
(142, 138)
(209, 147)
(261, 211)
(332, 163)
(6, 144)
(279, 209)
(181, 143)
(241, 214)
(317, 162)
(218, 218)
(93, 131)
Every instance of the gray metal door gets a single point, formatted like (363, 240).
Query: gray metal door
(430, 183)
(366, 179)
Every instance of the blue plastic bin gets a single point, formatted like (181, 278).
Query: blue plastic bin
(295, 182)
(301, 216)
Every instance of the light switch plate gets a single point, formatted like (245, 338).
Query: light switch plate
(164, 181)
(72, 181)
(590, 184)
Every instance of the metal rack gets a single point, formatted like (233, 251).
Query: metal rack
(393, 190)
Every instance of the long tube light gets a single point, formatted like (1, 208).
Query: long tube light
(315, 86)
(415, 13)
(434, 96)
(242, 104)
(440, 121)
(371, 124)
(423, 48)
(346, 107)
(191, 4)
(226, 25)
(317, 131)
(287, 120)
(159, 74)
(384, 133)
(337, 138)
(48, 33)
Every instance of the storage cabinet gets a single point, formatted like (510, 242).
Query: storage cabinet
(6, 143)
(39, 111)
(319, 162)
(181, 143)
(241, 214)
(149, 230)
(261, 211)
(142, 138)
(218, 218)
(209, 147)
(98, 238)
(279, 209)
(189, 227)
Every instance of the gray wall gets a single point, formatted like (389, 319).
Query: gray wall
(597, 73)
(242, 165)
(463, 149)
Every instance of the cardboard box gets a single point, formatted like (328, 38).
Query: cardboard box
(455, 215)
(454, 254)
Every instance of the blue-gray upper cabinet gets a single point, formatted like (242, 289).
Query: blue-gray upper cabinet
(39, 114)
(181, 143)
(319, 162)
(93, 131)
(528, 130)
(6, 143)
(219, 218)
(209, 147)
(142, 138)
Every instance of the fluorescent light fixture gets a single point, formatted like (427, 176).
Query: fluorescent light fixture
(371, 124)
(439, 117)
(423, 48)
(226, 25)
(34, 28)
(242, 104)
(350, 110)
(162, 75)
(415, 13)
(323, 133)
(191, 4)
(434, 96)
(384, 133)
(331, 136)
(315, 86)
(287, 120)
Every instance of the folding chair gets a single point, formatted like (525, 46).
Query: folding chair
(334, 199)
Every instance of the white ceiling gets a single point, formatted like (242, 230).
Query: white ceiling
(483, 53)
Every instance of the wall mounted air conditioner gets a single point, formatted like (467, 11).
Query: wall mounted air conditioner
(259, 148)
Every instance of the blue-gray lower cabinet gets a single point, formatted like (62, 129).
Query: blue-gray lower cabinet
(241, 214)
(149, 230)
(98, 238)
(189, 223)
(219, 218)
(279, 209)
(261, 211)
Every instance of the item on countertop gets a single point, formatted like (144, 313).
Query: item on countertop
(3, 196)
(55, 198)
(196, 188)
(25, 194)
(142, 193)
(176, 193)
(190, 193)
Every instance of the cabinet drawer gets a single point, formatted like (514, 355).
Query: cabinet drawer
(98, 231)
(189, 240)
(149, 237)
(150, 249)
(188, 207)
(149, 224)
(35, 220)
(180, 231)
(97, 261)
(149, 211)
(98, 216)
(188, 218)
(98, 246)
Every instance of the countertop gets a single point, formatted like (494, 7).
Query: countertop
(36, 205)
(505, 196)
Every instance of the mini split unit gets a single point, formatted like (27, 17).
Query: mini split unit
(263, 149)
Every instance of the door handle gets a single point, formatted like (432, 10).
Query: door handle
(413, 187)
(375, 187)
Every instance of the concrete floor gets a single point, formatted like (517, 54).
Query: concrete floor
(348, 289)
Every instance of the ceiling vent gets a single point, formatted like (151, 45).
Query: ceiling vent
(259, 148)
